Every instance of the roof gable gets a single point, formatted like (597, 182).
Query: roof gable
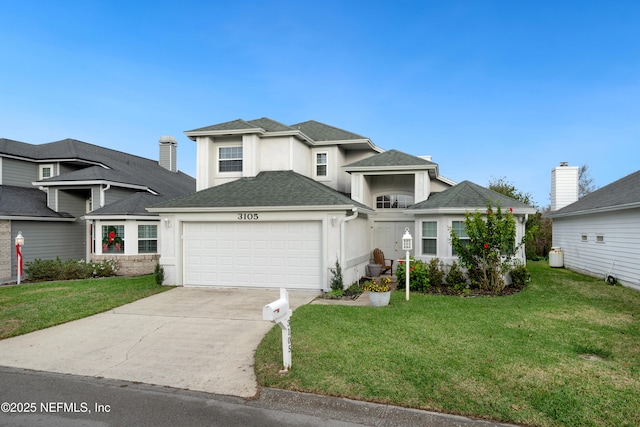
(622, 193)
(469, 196)
(390, 158)
(323, 132)
(26, 202)
(267, 189)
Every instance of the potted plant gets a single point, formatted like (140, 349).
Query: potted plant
(379, 291)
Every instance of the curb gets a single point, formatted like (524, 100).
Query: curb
(365, 413)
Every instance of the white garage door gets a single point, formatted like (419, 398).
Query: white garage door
(253, 254)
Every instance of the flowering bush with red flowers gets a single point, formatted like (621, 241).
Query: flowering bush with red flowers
(418, 275)
(488, 253)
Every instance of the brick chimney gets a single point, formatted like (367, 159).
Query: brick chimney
(168, 149)
(564, 185)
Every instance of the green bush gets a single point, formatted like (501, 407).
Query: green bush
(418, 276)
(455, 277)
(41, 270)
(337, 283)
(519, 275)
(158, 274)
(435, 272)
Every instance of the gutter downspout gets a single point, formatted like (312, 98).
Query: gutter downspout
(102, 191)
(343, 255)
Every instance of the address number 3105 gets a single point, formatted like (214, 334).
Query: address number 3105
(247, 217)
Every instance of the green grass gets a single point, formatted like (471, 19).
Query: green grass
(30, 307)
(563, 352)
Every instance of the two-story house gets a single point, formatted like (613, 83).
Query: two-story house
(75, 200)
(278, 205)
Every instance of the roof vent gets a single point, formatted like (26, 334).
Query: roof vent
(168, 149)
(563, 164)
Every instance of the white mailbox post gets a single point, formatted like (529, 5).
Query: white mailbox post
(279, 312)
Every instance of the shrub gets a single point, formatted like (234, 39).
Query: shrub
(455, 277)
(41, 270)
(519, 275)
(158, 274)
(435, 272)
(337, 283)
(354, 289)
(488, 252)
(418, 276)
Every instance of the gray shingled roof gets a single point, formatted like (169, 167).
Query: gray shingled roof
(123, 167)
(267, 189)
(135, 204)
(28, 202)
(390, 158)
(624, 192)
(467, 195)
(315, 130)
(264, 123)
(322, 132)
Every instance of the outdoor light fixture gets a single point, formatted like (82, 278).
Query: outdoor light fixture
(19, 244)
(167, 223)
(407, 245)
(334, 220)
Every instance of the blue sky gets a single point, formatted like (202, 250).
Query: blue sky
(490, 89)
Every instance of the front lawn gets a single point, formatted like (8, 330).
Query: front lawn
(30, 307)
(563, 352)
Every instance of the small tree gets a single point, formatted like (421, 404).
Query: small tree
(337, 283)
(488, 253)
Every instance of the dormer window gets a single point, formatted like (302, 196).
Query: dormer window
(321, 164)
(45, 171)
(394, 201)
(230, 159)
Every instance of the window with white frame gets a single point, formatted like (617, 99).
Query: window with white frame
(584, 238)
(394, 201)
(147, 238)
(599, 238)
(113, 239)
(459, 228)
(45, 171)
(429, 237)
(230, 159)
(321, 164)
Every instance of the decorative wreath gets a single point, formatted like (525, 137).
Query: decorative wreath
(112, 238)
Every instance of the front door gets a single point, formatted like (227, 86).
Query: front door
(387, 235)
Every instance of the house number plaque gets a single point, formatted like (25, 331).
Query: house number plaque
(247, 217)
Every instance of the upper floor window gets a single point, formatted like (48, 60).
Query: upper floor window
(321, 164)
(394, 201)
(46, 171)
(230, 159)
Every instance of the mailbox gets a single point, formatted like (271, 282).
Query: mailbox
(276, 310)
(280, 313)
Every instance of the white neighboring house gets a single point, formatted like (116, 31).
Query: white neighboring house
(277, 205)
(600, 234)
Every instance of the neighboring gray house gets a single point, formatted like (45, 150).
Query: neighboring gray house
(278, 205)
(600, 234)
(66, 197)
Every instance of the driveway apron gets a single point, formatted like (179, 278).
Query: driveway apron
(190, 338)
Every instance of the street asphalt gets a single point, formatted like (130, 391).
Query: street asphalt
(189, 343)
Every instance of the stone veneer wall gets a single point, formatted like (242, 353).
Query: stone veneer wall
(5, 249)
(132, 265)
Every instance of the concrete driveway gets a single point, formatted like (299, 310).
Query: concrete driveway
(190, 338)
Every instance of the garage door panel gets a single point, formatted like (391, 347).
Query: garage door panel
(269, 254)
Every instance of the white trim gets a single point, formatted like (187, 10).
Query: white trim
(594, 211)
(79, 184)
(258, 209)
(121, 217)
(35, 218)
(316, 164)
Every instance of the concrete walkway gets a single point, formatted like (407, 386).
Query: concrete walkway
(189, 338)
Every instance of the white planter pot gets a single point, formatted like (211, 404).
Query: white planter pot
(379, 299)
